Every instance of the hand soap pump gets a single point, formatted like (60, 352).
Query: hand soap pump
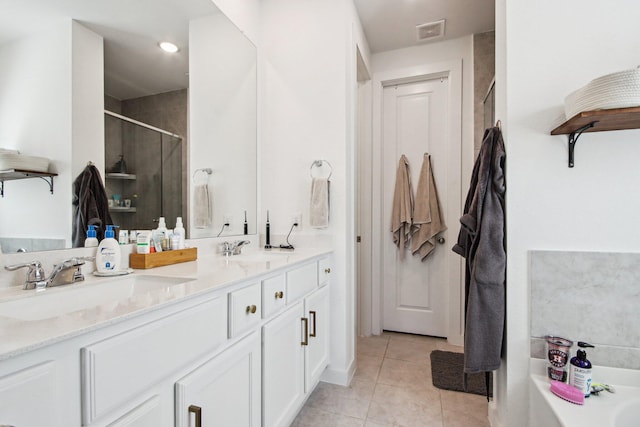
(108, 254)
(580, 370)
(91, 241)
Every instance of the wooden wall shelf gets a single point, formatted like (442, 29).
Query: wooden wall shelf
(597, 121)
(14, 174)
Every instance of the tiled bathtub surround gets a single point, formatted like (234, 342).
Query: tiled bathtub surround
(587, 296)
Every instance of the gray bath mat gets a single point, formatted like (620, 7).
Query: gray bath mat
(447, 373)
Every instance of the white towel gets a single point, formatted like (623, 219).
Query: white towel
(202, 210)
(319, 209)
(426, 214)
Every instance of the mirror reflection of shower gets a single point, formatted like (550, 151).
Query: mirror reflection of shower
(144, 163)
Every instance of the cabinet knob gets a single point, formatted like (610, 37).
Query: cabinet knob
(251, 309)
(327, 270)
(279, 295)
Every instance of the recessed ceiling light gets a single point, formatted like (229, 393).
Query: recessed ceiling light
(168, 47)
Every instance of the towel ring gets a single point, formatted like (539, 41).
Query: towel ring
(319, 164)
(207, 171)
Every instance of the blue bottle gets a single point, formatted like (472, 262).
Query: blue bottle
(580, 370)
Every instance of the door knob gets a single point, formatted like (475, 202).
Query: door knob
(441, 240)
(251, 308)
(279, 294)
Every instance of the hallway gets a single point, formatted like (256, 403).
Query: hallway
(392, 387)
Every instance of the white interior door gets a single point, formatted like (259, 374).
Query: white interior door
(415, 121)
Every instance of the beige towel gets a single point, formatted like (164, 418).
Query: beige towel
(426, 215)
(401, 215)
(319, 209)
(202, 210)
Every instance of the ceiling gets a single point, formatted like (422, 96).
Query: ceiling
(132, 29)
(134, 65)
(391, 24)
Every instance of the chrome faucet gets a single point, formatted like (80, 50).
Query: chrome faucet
(35, 274)
(234, 248)
(67, 272)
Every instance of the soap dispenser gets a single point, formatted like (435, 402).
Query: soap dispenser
(580, 370)
(108, 254)
(91, 241)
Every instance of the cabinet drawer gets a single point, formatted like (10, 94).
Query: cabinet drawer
(244, 309)
(273, 293)
(122, 367)
(324, 271)
(301, 281)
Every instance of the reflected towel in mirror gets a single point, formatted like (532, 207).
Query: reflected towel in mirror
(202, 210)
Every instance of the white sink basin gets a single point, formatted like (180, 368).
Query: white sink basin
(54, 302)
(262, 256)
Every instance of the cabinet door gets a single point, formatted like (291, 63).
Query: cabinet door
(283, 372)
(28, 397)
(225, 391)
(317, 352)
(149, 414)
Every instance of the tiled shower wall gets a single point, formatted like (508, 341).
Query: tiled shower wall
(587, 296)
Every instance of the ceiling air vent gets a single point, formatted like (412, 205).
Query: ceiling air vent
(430, 30)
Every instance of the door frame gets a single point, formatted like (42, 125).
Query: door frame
(453, 71)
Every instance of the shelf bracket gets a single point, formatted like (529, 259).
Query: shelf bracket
(48, 180)
(573, 138)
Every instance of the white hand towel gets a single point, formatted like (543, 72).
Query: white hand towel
(426, 215)
(402, 210)
(202, 217)
(319, 209)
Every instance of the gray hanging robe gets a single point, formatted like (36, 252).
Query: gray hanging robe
(481, 242)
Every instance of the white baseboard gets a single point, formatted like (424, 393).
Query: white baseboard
(339, 377)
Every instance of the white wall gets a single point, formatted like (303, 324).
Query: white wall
(37, 103)
(310, 98)
(549, 206)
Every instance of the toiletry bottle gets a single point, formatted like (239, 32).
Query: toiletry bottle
(179, 231)
(91, 240)
(246, 225)
(580, 370)
(108, 253)
(164, 240)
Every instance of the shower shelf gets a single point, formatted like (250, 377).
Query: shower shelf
(121, 209)
(597, 121)
(121, 176)
(14, 174)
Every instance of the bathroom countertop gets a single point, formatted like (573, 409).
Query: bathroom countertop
(209, 273)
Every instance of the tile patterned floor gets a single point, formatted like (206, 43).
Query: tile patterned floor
(392, 387)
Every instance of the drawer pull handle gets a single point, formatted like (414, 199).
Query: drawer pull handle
(193, 409)
(251, 309)
(327, 270)
(279, 294)
(313, 313)
(305, 330)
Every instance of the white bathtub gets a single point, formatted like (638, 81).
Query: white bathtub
(619, 409)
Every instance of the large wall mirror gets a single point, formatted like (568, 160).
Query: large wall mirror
(172, 134)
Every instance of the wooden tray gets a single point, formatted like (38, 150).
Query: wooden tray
(158, 259)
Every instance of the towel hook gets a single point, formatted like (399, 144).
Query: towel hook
(319, 164)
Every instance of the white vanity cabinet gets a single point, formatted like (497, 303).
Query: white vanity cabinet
(225, 391)
(244, 354)
(295, 346)
(126, 367)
